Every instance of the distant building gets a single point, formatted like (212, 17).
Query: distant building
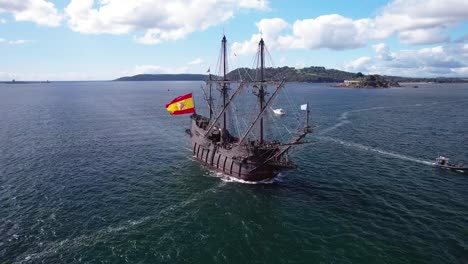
(349, 82)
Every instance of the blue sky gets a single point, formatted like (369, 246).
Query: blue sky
(107, 39)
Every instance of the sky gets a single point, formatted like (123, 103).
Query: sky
(106, 39)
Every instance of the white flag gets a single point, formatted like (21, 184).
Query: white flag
(304, 107)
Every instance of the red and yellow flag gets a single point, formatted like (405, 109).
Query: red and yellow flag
(181, 105)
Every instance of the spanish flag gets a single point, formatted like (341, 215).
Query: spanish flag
(181, 105)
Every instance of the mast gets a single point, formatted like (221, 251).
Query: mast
(210, 98)
(224, 90)
(307, 128)
(218, 116)
(261, 92)
(272, 97)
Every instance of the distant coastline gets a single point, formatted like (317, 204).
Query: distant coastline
(369, 81)
(164, 77)
(314, 74)
(23, 82)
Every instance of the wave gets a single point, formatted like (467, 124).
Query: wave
(94, 238)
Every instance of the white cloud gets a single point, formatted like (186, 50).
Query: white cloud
(401, 15)
(414, 21)
(255, 4)
(462, 50)
(463, 72)
(196, 61)
(161, 20)
(424, 62)
(2, 21)
(382, 52)
(19, 42)
(5, 76)
(270, 30)
(423, 36)
(329, 31)
(2, 40)
(358, 65)
(437, 57)
(41, 12)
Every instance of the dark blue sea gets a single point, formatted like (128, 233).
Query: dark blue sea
(99, 172)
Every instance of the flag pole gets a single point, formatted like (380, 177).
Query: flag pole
(194, 108)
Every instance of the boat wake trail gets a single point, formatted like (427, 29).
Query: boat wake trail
(99, 236)
(337, 125)
(343, 119)
(375, 150)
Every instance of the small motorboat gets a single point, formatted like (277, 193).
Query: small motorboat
(278, 111)
(443, 162)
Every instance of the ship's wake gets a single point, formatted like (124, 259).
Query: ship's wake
(335, 126)
(343, 119)
(227, 178)
(375, 150)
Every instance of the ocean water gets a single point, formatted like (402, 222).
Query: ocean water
(98, 172)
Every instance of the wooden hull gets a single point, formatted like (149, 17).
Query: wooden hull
(230, 160)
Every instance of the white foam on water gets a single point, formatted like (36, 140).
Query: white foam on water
(227, 178)
(189, 149)
(337, 125)
(344, 116)
(375, 150)
(91, 239)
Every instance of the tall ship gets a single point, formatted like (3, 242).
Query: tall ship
(248, 155)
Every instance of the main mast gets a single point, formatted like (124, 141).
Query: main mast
(261, 92)
(224, 89)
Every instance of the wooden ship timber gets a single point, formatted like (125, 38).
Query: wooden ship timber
(239, 156)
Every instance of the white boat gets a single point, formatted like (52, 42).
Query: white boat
(443, 162)
(278, 111)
